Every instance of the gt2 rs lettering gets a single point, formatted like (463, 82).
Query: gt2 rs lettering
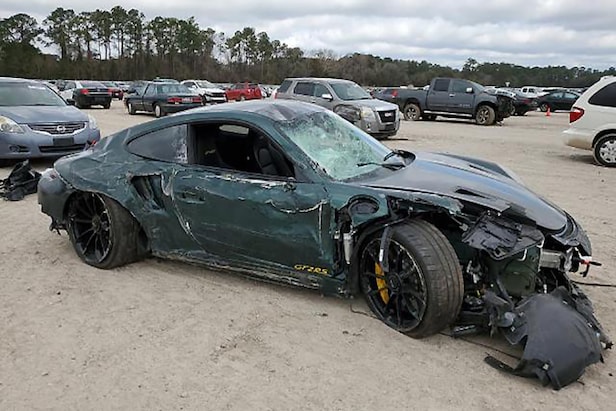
(311, 269)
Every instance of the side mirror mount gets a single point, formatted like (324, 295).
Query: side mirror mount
(70, 102)
(469, 90)
(327, 96)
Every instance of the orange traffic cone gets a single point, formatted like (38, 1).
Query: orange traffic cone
(547, 113)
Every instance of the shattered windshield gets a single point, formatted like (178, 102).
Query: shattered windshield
(341, 149)
(350, 91)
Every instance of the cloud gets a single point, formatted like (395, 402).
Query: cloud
(547, 32)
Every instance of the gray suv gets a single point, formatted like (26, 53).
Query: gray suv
(347, 99)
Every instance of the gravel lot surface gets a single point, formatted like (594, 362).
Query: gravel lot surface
(171, 336)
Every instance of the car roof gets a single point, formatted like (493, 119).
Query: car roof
(324, 79)
(277, 110)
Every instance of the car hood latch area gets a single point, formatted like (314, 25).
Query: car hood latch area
(559, 333)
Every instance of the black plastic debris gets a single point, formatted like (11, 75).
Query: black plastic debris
(22, 180)
(560, 335)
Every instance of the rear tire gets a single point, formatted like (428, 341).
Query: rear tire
(158, 111)
(107, 106)
(544, 107)
(485, 115)
(422, 292)
(412, 112)
(604, 150)
(103, 233)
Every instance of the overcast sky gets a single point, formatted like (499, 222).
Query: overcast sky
(527, 32)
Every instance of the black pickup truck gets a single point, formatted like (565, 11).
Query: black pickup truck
(450, 97)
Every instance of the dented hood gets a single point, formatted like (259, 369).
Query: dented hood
(476, 181)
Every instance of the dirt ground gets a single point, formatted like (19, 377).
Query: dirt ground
(170, 336)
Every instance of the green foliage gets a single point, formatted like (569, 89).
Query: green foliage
(121, 44)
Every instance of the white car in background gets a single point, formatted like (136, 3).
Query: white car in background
(592, 122)
(211, 93)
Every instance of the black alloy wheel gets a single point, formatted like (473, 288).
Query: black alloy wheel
(89, 227)
(399, 298)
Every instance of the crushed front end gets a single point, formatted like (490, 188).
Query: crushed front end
(516, 282)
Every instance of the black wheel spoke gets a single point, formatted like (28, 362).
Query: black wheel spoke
(398, 310)
(90, 227)
(412, 306)
(89, 230)
(87, 245)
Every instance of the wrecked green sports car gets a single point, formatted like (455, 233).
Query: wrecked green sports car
(290, 192)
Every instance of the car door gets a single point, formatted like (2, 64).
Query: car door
(460, 101)
(568, 100)
(319, 91)
(149, 97)
(304, 91)
(555, 100)
(252, 219)
(438, 95)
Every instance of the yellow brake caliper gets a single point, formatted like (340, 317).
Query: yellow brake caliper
(380, 283)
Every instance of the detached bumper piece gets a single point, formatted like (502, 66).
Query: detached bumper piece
(559, 332)
(22, 181)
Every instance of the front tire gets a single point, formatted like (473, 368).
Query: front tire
(485, 115)
(131, 109)
(544, 107)
(422, 292)
(103, 233)
(604, 150)
(412, 112)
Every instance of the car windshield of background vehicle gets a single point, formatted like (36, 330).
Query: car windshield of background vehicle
(478, 87)
(205, 84)
(334, 144)
(28, 94)
(92, 84)
(350, 91)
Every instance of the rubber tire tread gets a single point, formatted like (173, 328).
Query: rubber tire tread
(595, 150)
(491, 117)
(125, 233)
(442, 272)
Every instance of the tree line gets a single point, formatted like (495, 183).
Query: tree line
(121, 44)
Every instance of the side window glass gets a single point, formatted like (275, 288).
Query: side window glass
(168, 144)
(459, 86)
(605, 97)
(239, 148)
(441, 85)
(284, 86)
(319, 90)
(150, 91)
(304, 88)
